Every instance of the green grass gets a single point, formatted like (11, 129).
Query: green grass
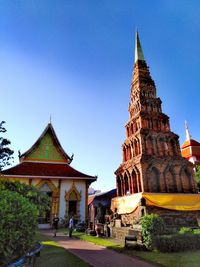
(179, 259)
(96, 240)
(54, 255)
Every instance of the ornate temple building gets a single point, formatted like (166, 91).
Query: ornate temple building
(47, 166)
(190, 148)
(153, 174)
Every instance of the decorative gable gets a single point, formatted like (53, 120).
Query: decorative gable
(47, 148)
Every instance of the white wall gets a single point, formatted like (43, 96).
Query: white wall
(65, 187)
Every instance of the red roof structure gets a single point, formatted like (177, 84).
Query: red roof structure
(46, 170)
(191, 149)
(46, 159)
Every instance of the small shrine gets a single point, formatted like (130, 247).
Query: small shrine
(190, 149)
(47, 166)
(153, 176)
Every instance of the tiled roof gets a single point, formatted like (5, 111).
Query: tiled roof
(190, 142)
(46, 170)
(190, 148)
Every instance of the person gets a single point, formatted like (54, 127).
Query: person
(71, 226)
(55, 224)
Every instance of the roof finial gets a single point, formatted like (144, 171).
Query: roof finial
(138, 49)
(188, 136)
(50, 119)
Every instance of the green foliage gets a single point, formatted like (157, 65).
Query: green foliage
(32, 194)
(185, 230)
(5, 152)
(20, 205)
(152, 225)
(17, 225)
(196, 231)
(177, 242)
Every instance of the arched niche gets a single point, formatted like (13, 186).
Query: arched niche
(170, 180)
(119, 186)
(153, 178)
(149, 145)
(186, 180)
(135, 181)
(73, 199)
(126, 184)
(173, 148)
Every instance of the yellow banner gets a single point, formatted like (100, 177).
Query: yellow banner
(126, 204)
(185, 202)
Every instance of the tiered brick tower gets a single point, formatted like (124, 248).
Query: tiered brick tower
(152, 160)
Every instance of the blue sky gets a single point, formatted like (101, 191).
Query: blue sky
(73, 60)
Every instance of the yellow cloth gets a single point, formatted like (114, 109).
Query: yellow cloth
(126, 204)
(173, 201)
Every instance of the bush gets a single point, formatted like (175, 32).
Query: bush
(177, 242)
(32, 194)
(152, 225)
(185, 230)
(196, 231)
(17, 226)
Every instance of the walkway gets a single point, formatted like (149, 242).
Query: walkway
(96, 256)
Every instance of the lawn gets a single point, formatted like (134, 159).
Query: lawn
(179, 259)
(54, 255)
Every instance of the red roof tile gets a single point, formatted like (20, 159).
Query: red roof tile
(46, 170)
(190, 142)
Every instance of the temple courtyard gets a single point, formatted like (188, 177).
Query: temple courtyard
(64, 251)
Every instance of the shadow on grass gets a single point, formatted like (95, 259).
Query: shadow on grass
(183, 259)
(54, 255)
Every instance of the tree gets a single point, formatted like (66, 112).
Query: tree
(20, 205)
(18, 225)
(5, 152)
(32, 194)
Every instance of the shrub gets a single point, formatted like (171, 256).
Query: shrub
(17, 225)
(32, 194)
(177, 242)
(185, 230)
(152, 225)
(196, 231)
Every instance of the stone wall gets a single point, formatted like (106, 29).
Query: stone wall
(176, 218)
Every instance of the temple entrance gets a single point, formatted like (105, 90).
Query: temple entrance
(72, 207)
(44, 220)
(73, 198)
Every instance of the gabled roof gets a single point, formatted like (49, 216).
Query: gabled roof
(45, 170)
(104, 197)
(49, 129)
(190, 142)
(190, 148)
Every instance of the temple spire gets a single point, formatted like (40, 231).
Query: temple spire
(188, 136)
(138, 49)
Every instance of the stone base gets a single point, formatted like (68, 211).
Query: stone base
(176, 218)
(173, 218)
(44, 226)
